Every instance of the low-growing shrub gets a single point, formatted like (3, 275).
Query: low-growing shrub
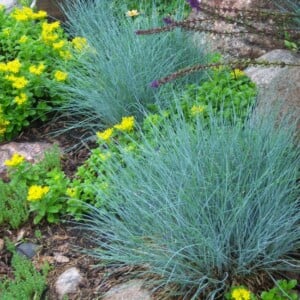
(201, 207)
(229, 94)
(114, 80)
(27, 283)
(39, 188)
(35, 57)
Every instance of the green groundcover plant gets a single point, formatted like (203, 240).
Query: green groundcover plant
(201, 206)
(283, 290)
(35, 57)
(39, 188)
(28, 283)
(114, 80)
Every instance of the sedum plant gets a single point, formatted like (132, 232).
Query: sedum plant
(40, 188)
(28, 283)
(35, 57)
(200, 207)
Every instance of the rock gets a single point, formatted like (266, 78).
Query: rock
(131, 290)
(27, 249)
(245, 45)
(9, 4)
(68, 282)
(58, 257)
(277, 86)
(32, 152)
(1, 244)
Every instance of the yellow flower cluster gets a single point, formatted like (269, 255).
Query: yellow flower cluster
(27, 14)
(197, 109)
(105, 135)
(241, 294)
(23, 39)
(71, 192)
(126, 125)
(15, 160)
(132, 13)
(237, 73)
(60, 76)
(79, 43)
(17, 82)
(48, 32)
(12, 66)
(37, 70)
(22, 98)
(37, 192)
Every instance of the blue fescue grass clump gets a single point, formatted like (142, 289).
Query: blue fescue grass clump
(202, 206)
(114, 78)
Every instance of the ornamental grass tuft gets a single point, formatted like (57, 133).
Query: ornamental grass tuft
(114, 79)
(201, 207)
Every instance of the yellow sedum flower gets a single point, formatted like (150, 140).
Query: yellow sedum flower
(37, 192)
(79, 43)
(241, 294)
(197, 110)
(3, 67)
(13, 66)
(3, 125)
(132, 13)
(58, 45)
(41, 14)
(22, 98)
(15, 160)
(237, 73)
(17, 82)
(127, 124)
(65, 54)
(71, 192)
(105, 135)
(37, 70)
(48, 35)
(60, 76)
(22, 14)
(23, 39)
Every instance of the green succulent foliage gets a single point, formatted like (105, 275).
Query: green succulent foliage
(46, 173)
(28, 283)
(284, 290)
(13, 209)
(230, 94)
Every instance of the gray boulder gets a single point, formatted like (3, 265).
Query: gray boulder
(278, 87)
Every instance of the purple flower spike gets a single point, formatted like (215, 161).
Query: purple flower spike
(155, 84)
(167, 20)
(194, 4)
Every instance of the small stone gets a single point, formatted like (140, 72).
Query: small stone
(9, 4)
(68, 282)
(61, 258)
(1, 244)
(27, 249)
(130, 290)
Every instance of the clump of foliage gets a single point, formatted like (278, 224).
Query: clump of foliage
(40, 189)
(230, 95)
(13, 209)
(28, 283)
(113, 80)
(35, 57)
(201, 206)
(283, 290)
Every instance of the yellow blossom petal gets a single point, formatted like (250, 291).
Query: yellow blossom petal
(15, 160)
(37, 192)
(105, 135)
(127, 124)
